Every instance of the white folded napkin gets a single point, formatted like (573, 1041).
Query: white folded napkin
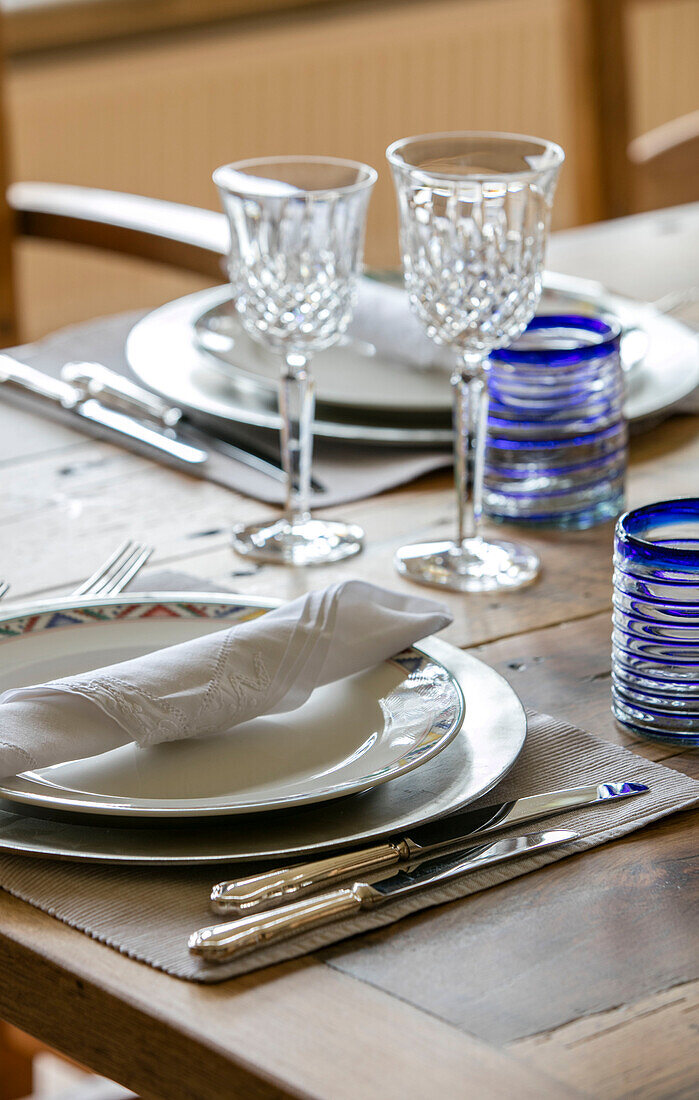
(267, 665)
(383, 317)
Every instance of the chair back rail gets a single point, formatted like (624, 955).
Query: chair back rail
(666, 163)
(643, 73)
(186, 237)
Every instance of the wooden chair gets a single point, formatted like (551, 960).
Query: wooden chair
(186, 237)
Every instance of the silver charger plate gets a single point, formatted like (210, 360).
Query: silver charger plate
(370, 398)
(163, 352)
(489, 742)
(350, 735)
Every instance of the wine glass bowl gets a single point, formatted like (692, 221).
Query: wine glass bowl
(297, 236)
(474, 219)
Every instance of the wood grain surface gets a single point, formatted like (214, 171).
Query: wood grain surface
(603, 928)
(300, 1029)
(647, 1049)
(560, 667)
(577, 980)
(93, 495)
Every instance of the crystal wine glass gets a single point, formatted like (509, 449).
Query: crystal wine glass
(474, 218)
(297, 239)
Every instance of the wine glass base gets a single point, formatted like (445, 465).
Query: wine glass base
(473, 566)
(310, 542)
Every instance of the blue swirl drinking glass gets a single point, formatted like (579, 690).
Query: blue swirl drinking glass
(556, 450)
(655, 639)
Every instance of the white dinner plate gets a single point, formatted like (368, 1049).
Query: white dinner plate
(349, 736)
(484, 750)
(372, 398)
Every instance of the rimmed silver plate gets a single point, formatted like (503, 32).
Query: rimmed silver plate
(490, 739)
(351, 735)
(183, 352)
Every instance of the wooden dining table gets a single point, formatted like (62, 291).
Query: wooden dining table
(579, 979)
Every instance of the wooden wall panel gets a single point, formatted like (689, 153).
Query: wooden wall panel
(662, 62)
(157, 117)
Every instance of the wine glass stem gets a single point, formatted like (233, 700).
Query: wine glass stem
(470, 423)
(296, 407)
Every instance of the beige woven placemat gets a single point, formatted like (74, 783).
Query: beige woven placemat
(148, 913)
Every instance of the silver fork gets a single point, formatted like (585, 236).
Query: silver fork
(117, 571)
(113, 575)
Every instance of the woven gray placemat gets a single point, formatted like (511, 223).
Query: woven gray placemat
(347, 471)
(148, 913)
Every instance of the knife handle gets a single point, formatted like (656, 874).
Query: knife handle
(99, 381)
(220, 942)
(23, 378)
(265, 891)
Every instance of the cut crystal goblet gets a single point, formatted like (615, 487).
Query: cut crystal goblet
(474, 219)
(297, 239)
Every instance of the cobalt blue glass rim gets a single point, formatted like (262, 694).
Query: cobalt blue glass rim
(633, 548)
(607, 329)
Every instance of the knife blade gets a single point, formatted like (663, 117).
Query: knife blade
(272, 888)
(171, 444)
(219, 942)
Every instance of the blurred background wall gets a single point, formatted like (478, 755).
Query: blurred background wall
(148, 96)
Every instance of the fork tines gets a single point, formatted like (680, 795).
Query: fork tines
(117, 571)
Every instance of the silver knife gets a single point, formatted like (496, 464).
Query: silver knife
(22, 379)
(220, 942)
(120, 406)
(272, 888)
(171, 444)
(96, 380)
(99, 381)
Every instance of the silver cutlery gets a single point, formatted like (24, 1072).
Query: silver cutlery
(116, 572)
(677, 300)
(220, 942)
(55, 393)
(273, 888)
(98, 381)
(113, 575)
(123, 410)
